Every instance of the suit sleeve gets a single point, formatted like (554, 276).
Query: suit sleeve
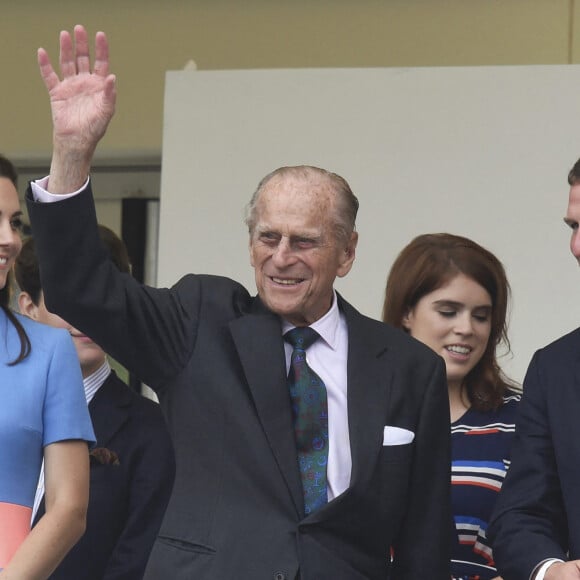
(423, 550)
(529, 521)
(150, 331)
(150, 489)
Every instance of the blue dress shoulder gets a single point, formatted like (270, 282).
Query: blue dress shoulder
(43, 402)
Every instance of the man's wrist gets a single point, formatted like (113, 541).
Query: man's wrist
(69, 169)
(40, 193)
(541, 569)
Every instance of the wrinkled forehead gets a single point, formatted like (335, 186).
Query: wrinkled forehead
(296, 206)
(305, 189)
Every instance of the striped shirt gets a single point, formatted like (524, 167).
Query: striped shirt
(480, 448)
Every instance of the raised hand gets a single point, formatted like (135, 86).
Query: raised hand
(82, 103)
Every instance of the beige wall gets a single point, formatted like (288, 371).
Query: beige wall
(148, 38)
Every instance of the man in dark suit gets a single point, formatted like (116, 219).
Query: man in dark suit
(536, 525)
(217, 358)
(132, 466)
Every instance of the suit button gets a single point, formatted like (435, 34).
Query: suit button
(280, 576)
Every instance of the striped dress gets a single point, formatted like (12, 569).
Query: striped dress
(480, 448)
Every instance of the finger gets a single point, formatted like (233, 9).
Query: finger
(49, 77)
(66, 60)
(83, 61)
(101, 67)
(110, 91)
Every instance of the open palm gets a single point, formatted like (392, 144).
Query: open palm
(82, 101)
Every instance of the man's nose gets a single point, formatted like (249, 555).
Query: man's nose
(284, 254)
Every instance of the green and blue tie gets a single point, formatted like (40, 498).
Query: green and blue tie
(310, 414)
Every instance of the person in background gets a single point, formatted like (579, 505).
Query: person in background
(43, 415)
(303, 430)
(132, 467)
(535, 528)
(452, 294)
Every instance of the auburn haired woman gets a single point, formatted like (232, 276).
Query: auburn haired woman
(452, 294)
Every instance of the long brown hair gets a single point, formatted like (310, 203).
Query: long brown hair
(431, 261)
(8, 171)
(25, 346)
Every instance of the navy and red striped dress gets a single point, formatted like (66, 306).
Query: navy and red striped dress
(480, 446)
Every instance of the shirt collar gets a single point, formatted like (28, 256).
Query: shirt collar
(93, 382)
(327, 326)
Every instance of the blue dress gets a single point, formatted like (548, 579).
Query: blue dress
(43, 402)
(481, 451)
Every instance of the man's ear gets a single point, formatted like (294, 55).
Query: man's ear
(251, 247)
(27, 306)
(349, 254)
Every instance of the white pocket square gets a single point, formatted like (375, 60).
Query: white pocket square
(397, 436)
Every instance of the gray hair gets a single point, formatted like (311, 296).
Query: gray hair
(347, 203)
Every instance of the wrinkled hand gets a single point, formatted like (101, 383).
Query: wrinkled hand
(82, 103)
(563, 571)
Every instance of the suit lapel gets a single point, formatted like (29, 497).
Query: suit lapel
(108, 409)
(257, 337)
(370, 379)
(258, 340)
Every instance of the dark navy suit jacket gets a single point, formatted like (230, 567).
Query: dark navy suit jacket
(126, 501)
(537, 515)
(215, 356)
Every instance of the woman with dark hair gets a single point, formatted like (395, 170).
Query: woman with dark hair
(452, 294)
(43, 415)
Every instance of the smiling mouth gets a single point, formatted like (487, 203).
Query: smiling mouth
(458, 349)
(286, 281)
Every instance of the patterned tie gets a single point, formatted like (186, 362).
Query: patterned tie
(310, 412)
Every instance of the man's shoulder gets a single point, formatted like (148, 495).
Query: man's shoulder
(211, 289)
(140, 420)
(381, 332)
(222, 283)
(128, 397)
(565, 346)
(556, 363)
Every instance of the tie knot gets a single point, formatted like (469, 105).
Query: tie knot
(301, 337)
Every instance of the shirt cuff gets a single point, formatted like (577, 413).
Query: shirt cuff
(40, 194)
(540, 570)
